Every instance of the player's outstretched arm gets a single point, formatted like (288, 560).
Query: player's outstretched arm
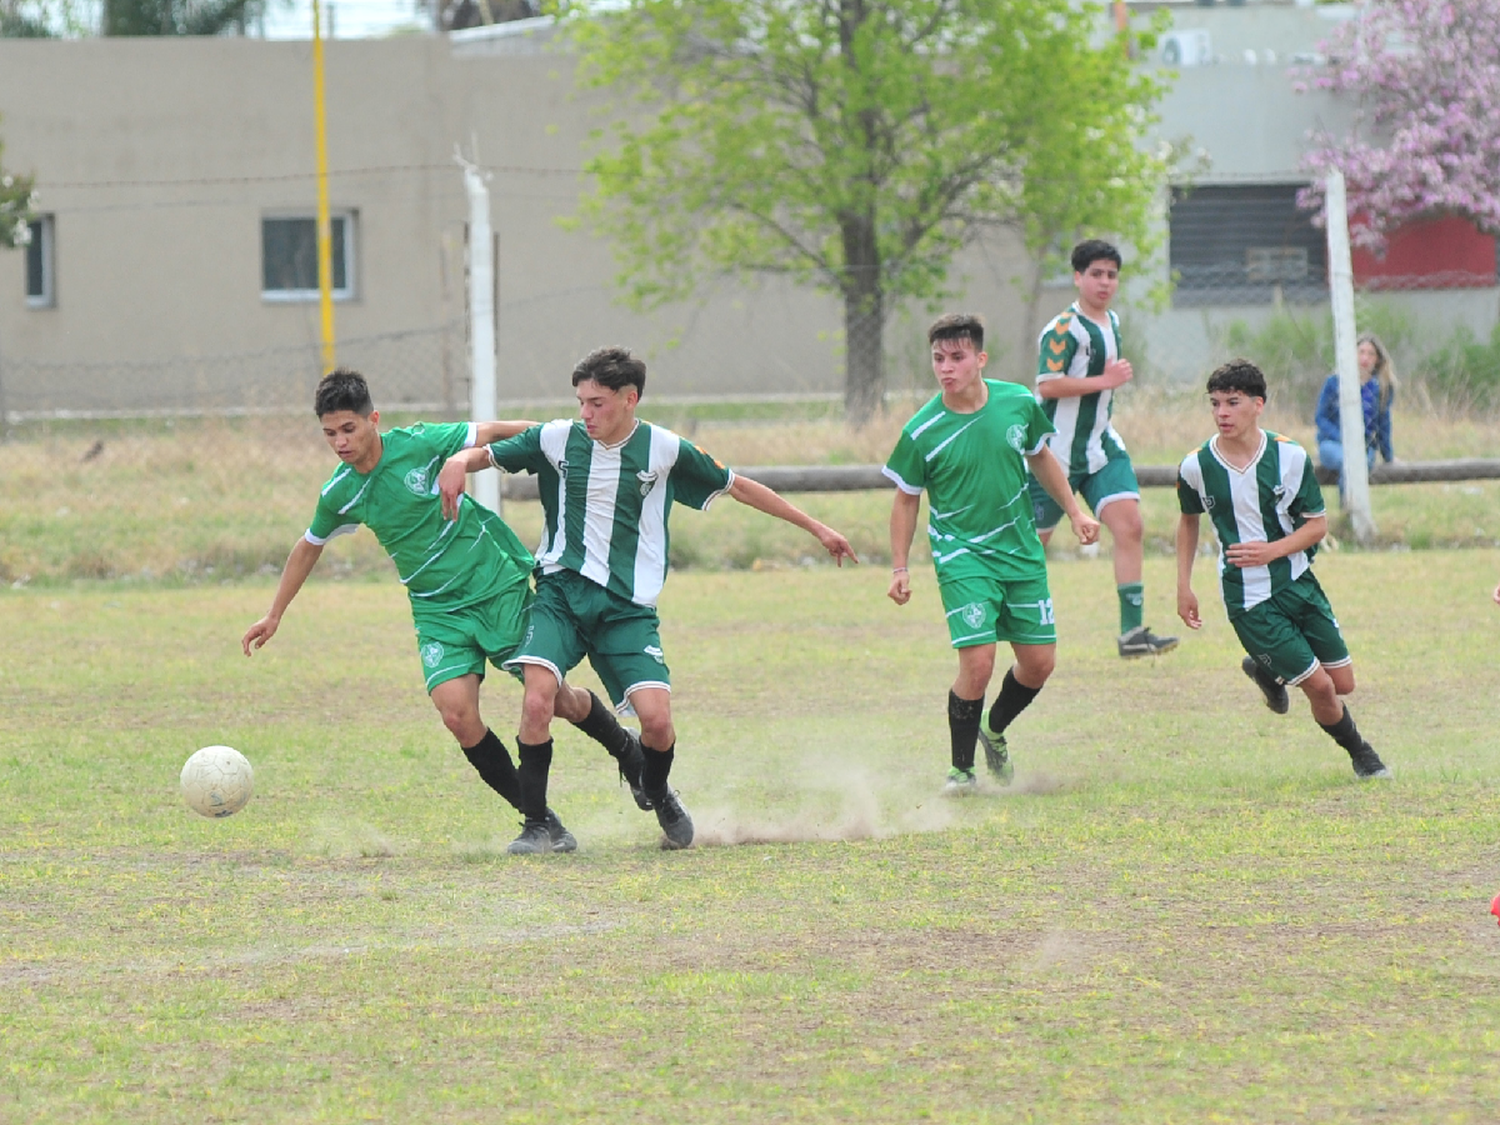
(1187, 551)
(299, 565)
(903, 528)
(491, 432)
(1049, 472)
(455, 474)
(762, 499)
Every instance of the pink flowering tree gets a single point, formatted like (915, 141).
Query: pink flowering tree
(1426, 74)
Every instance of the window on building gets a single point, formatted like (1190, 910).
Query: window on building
(289, 256)
(41, 271)
(1242, 244)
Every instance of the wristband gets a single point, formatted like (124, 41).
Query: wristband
(899, 570)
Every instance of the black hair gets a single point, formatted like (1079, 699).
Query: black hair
(343, 389)
(614, 368)
(958, 326)
(1238, 375)
(1087, 253)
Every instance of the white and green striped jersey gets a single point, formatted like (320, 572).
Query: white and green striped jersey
(606, 507)
(441, 562)
(1267, 500)
(1074, 346)
(979, 516)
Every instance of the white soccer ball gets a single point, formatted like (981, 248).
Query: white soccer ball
(217, 781)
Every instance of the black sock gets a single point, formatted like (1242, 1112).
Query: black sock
(1014, 698)
(492, 760)
(1345, 733)
(657, 766)
(601, 725)
(963, 729)
(535, 762)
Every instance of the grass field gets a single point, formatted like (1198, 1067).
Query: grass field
(1185, 909)
(201, 501)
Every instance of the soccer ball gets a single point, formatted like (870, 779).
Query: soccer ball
(216, 781)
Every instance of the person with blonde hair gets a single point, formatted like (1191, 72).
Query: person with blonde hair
(1377, 389)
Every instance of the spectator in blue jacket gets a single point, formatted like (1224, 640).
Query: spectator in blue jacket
(1377, 387)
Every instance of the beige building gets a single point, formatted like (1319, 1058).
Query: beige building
(173, 268)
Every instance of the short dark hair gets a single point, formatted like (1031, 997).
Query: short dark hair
(1092, 250)
(1238, 375)
(343, 389)
(958, 326)
(612, 367)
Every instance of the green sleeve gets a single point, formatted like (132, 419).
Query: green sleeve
(906, 465)
(327, 520)
(519, 454)
(1038, 428)
(445, 438)
(1188, 500)
(1309, 499)
(696, 477)
(1055, 352)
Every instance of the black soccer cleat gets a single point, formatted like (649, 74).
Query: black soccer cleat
(535, 839)
(1367, 763)
(1141, 641)
(996, 755)
(1270, 687)
(674, 820)
(562, 840)
(632, 760)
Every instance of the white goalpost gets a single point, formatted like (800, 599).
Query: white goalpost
(1356, 490)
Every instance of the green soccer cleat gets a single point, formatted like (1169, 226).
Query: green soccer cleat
(960, 783)
(996, 755)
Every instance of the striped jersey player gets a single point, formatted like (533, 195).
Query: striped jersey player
(1079, 368)
(609, 482)
(1267, 509)
(466, 574)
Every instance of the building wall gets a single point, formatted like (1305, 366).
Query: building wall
(158, 159)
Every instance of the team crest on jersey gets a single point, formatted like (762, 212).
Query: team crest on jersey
(973, 615)
(648, 481)
(654, 653)
(432, 654)
(1279, 491)
(417, 481)
(1016, 437)
(1208, 502)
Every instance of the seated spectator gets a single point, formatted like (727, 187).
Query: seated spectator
(1377, 387)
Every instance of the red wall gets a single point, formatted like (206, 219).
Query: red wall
(1445, 253)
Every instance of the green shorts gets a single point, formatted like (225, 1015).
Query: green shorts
(1293, 632)
(456, 642)
(1116, 481)
(573, 617)
(982, 611)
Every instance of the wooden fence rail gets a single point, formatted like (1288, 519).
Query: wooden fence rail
(865, 478)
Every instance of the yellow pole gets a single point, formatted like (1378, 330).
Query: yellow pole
(325, 226)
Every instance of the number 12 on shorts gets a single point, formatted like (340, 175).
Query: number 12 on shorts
(1044, 612)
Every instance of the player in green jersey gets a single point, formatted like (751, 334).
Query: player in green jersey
(1078, 371)
(1259, 490)
(467, 577)
(969, 448)
(608, 483)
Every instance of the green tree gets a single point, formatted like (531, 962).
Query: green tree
(177, 17)
(856, 145)
(15, 207)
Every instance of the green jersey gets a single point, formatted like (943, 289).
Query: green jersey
(1267, 500)
(442, 563)
(1074, 346)
(974, 470)
(606, 506)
